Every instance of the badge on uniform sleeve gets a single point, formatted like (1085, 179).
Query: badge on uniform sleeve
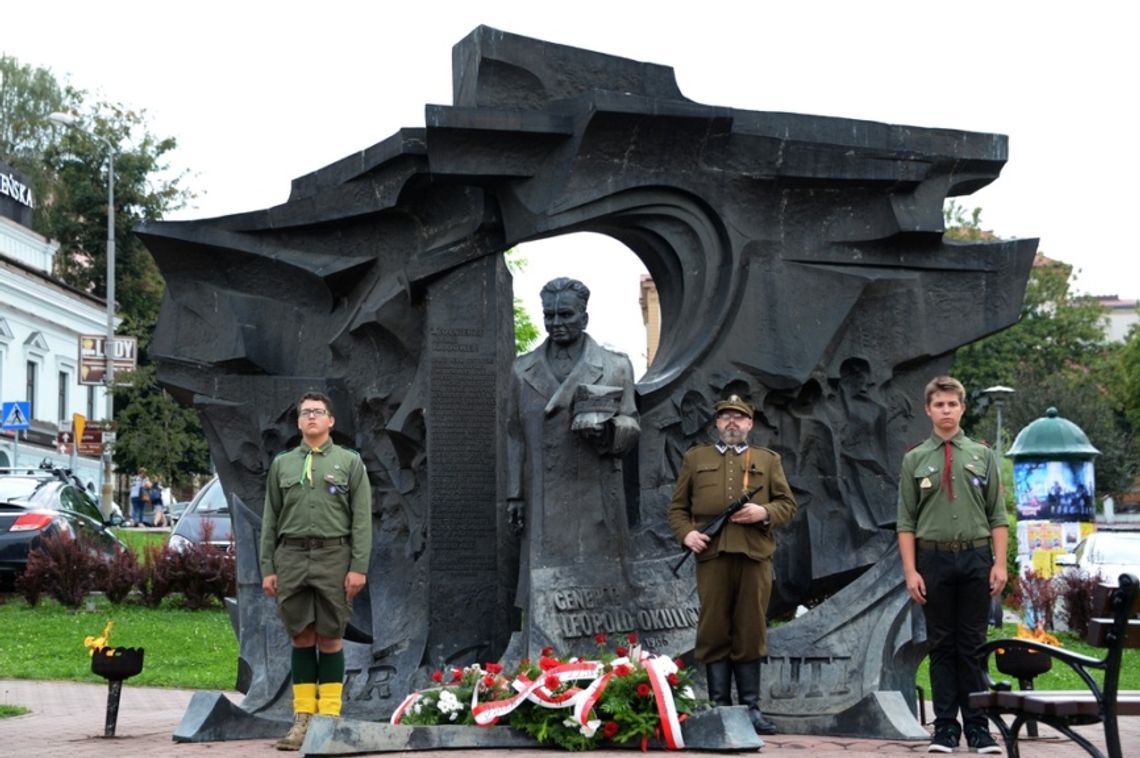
(925, 483)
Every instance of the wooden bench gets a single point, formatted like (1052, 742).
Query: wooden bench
(1065, 709)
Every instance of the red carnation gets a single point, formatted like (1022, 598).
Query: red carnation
(488, 681)
(437, 676)
(546, 663)
(623, 670)
(674, 680)
(548, 650)
(610, 729)
(600, 638)
(552, 682)
(621, 650)
(632, 637)
(456, 675)
(643, 690)
(494, 668)
(678, 663)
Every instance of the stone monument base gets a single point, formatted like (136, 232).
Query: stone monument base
(213, 717)
(719, 729)
(882, 713)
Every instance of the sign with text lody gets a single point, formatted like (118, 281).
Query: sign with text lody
(92, 361)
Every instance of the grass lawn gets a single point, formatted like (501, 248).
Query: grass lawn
(1060, 677)
(192, 649)
(7, 711)
(137, 539)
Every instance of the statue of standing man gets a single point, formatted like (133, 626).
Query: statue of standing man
(572, 417)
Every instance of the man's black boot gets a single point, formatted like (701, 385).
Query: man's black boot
(748, 688)
(719, 674)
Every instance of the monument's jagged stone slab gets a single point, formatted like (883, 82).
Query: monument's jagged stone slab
(799, 261)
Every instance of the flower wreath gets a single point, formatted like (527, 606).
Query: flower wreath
(616, 696)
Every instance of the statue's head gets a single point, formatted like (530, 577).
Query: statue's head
(564, 309)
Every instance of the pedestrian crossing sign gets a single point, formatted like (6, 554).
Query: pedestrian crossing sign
(16, 415)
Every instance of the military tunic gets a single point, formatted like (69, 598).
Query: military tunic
(734, 573)
(331, 504)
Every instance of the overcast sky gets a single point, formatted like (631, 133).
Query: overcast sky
(258, 93)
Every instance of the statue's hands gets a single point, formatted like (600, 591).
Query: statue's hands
(516, 515)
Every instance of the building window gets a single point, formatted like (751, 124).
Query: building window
(90, 401)
(64, 384)
(31, 389)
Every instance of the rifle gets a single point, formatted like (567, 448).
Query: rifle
(713, 527)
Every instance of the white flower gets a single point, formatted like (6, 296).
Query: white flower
(666, 665)
(453, 717)
(590, 727)
(448, 703)
(573, 660)
(688, 693)
(570, 723)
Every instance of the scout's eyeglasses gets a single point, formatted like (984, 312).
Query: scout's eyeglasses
(312, 412)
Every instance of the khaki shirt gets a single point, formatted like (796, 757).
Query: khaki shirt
(709, 481)
(336, 502)
(927, 511)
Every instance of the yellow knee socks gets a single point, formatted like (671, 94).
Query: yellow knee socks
(328, 699)
(305, 698)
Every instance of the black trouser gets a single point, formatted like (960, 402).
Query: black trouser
(957, 606)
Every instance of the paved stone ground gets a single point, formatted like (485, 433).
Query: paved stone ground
(67, 719)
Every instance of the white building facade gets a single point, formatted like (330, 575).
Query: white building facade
(41, 319)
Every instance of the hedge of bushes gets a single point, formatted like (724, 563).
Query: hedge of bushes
(67, 569)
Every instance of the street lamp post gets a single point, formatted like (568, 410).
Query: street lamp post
(68, 120)
(997, 395)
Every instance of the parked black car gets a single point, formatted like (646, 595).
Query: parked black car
(211, 506)
(38, 502)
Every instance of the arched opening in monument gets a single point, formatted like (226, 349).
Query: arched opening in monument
(614, 275)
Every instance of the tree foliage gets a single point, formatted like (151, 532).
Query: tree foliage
(69, 172)
(526, 333)
(1056, 355)
(157, 433)
(27, 96)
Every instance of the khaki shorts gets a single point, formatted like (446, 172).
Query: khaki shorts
(310, 588)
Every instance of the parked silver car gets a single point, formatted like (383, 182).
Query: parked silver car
(209, 507)
(1108, 554)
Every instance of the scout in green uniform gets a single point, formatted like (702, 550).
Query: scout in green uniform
(951, 525)
(734, 567)
(316, 538)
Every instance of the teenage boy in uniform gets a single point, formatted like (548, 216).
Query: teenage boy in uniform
(316, 538)
(952, 532)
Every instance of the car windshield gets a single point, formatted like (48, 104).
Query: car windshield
(212, 499)
(1117, 550)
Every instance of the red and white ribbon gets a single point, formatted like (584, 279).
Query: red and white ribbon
(402, 708)
(655, 667)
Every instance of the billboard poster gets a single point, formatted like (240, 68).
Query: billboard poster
(1054, 490)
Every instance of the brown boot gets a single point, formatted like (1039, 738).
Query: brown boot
(296, 735)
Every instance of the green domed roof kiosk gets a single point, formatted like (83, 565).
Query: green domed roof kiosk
(1054, 485)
